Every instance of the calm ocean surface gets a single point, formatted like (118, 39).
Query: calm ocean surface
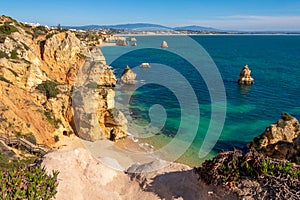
(275, 65)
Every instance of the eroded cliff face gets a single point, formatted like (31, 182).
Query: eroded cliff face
(38, 70)
(280, 140)
(93, 103)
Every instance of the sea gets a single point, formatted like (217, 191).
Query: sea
(190, 91)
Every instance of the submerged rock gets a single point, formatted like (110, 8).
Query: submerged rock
(245, 77)
(128, 76)
(164, 45)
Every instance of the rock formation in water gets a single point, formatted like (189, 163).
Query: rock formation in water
(245, 77)
(164, 44)
(145, 65)
(280, 140)
(128, 76)
(121, 41)
(38, 69)
(132, 39)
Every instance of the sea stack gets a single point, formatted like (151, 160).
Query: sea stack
(121, 41)
(245, 77)
(132, 39)
(145, 65)
(128, 76)
(164, 45)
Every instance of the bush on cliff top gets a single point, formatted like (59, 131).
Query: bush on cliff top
(7, 29)
(263, 177)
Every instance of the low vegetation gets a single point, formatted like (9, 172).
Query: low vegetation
(23, 179)
(3, 54)
(7, 29)
(263, 178)
(13, 54)
(48, 88)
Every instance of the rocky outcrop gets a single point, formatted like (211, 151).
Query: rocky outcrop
(164, 45)
(280, 140)
(128, 76)
(145, 65)
(132, 39)
(245, 77)
(93, 104)
(121, 41)
(62, 52)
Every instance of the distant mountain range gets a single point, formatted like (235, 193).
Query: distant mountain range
(145, 26)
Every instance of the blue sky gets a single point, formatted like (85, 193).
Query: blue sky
(223, 14)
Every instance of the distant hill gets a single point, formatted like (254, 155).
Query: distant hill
(195, 28)
(145, 26)
(136, 26)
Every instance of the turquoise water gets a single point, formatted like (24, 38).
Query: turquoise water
(275, 65)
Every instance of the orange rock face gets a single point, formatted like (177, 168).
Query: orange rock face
(39, 68)
(245, 77)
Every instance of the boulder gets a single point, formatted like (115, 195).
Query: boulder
(128, 76)
(245, 77)
(164, 44)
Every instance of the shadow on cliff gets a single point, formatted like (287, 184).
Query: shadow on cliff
(184, 185)
(176, 184)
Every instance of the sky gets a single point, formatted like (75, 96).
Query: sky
(250, 15)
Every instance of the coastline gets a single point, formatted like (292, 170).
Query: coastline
(217, 34)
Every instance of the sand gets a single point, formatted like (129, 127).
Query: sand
(96, 171)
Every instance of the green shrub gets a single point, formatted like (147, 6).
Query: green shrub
(48, 88)
(82, 56)
(39, 30)
(18, 134)
(13, 54)
(3, 55)
(31, 138)
(7, 29)
(24, 182)
(92, 85)
(2, 38)
(49, 117)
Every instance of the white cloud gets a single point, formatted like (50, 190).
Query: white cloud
(252, 22)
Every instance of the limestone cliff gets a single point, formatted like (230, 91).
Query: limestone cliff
(39, 67)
